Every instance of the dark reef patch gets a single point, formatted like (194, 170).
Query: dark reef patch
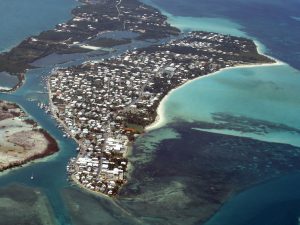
(191, 177)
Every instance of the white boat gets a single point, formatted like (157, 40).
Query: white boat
(31, 178)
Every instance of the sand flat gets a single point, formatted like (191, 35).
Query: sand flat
(21, 140)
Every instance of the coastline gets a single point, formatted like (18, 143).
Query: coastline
(29, 163)
(101, 195)
(82, 187)
(161, 120)
(47, 155)
(64, 38)
(51, 149)
(23, 140)
(21, 81)
(40, 157)
(152, 106)
(2, 88)
(53, 113)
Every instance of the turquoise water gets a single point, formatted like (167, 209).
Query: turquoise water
(49, 174)
(271, 22)
(264, 95)
(251, 98)
(8, 81)
(20, 19)
(190, 23)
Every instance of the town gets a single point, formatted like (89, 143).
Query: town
(105, 105)
(82, 33)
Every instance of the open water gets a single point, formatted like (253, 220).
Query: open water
(262, 102)
(242, 101)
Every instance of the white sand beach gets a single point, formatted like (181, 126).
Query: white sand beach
(161, 120)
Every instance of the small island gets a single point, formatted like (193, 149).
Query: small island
(105, 105)
(21, 139)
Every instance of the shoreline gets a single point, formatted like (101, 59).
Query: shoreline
(51, 145)
(150, 107)
(3, 88)
(65, 129)
(101, 195)
(161, 120)
(51, 149)
(64, 38)
(21, 81)
(38, 160)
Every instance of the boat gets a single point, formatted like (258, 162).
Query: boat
(31, 178)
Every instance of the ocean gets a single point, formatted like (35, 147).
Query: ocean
(182, 170)
(21, 19)
(260, 103)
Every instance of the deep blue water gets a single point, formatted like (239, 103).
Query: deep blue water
(274, 23)
(50, 173)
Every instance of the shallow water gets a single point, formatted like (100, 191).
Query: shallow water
(170, 170)
(21, 205)
(270, 22)
(8, 81)
(264, 93)
(191, 175)
(261, 103)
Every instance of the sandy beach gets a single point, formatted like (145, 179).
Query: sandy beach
(161, 121)
(4, 88)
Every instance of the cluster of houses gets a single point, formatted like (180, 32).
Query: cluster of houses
(131, 15)
(83, 32)
(101, 103)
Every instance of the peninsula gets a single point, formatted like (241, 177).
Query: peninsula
(21, 139)
(105, 105)
(83, 32)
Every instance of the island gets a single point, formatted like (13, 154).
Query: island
(105, 105)
(83, 33)
(21, 139)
